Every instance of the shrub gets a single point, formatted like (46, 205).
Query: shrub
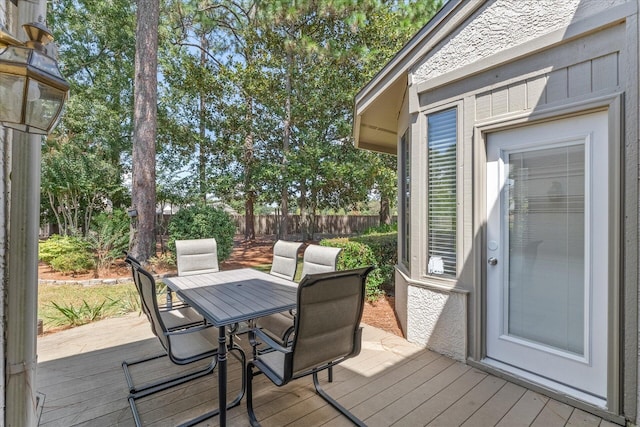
(385, 249)
(109, 237)
(199, 222)
(354, 255)
(381, 252)
(66, 254)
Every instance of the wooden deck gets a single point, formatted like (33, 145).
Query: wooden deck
(392, 382)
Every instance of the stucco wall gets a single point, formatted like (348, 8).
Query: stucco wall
(437, 319)
(500, 25)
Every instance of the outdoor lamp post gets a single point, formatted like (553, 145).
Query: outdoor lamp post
(32, 89)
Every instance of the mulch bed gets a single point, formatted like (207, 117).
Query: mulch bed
(380, 314)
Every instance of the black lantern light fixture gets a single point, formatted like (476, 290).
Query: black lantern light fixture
(32, 89)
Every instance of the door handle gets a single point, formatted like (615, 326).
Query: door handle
(492, 261)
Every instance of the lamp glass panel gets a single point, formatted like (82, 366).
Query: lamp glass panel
(45, 63)
(14, 54)
(44, 109)
(11, 95)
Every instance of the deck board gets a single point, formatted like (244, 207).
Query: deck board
(392, 382)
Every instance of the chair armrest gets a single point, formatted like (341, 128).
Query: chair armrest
(188, 330)
(266, 339)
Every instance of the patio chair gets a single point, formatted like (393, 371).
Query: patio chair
(285, 259)
(182, 345)
(174, 316)
(196, 256)
(319, 259)
(316, 259)
(327, 332)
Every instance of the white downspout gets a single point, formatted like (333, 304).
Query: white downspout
(21, 291)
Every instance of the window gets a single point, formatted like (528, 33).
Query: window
(441, 187)
(405, 197)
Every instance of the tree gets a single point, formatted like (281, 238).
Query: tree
(143, 192)
(97, 60)
(75, 184)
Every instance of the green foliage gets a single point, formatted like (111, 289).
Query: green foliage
(200, 222)
(109, 237)
(85, 313)
(66, 254)
(76, 182)
(381, 229)
(385, 250)
(71, 263)
(354, 255)
(237, 78)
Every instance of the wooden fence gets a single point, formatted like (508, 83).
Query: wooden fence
(336, 225)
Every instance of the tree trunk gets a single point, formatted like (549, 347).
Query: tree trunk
(302, 203)
(250, 194)
(284, 195)
(385, 211)
(143, 192)
(202, 167)
(313, 211)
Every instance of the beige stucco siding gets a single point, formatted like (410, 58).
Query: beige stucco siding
(500, 25)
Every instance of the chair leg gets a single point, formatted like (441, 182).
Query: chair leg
(344, 411)
(134, 411)
(155, 387)
(249, 377)
(242, 358)
(127, 374)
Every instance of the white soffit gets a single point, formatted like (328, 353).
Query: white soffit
(377, 105)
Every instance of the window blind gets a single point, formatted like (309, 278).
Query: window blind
(441, 187)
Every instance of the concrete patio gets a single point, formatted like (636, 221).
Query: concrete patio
(392, 382)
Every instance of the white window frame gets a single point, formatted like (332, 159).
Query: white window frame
(437, 266)
(405, 198)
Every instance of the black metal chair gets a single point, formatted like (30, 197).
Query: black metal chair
(327, 331)
(182, 344)
(174, 316)
(316, 259)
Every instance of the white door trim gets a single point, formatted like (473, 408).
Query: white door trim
(599, 186)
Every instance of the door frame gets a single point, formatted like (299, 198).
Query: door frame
(617, 313)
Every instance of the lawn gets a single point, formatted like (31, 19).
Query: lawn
(80, 304)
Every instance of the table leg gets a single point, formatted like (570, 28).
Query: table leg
(222, 375)
(169, 299)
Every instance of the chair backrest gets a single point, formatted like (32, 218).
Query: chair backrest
(285, 259)
(327, 326)
(196, 256)
(146, 285)
(135, 265)
(319, 259)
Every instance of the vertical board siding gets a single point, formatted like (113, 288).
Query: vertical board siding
(557, 86)
(518, 97)
(500, 101)
(483, 106)
(536, 92)
(580, 79)
(604, 72)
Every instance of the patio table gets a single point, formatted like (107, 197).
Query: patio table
(226, 298)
